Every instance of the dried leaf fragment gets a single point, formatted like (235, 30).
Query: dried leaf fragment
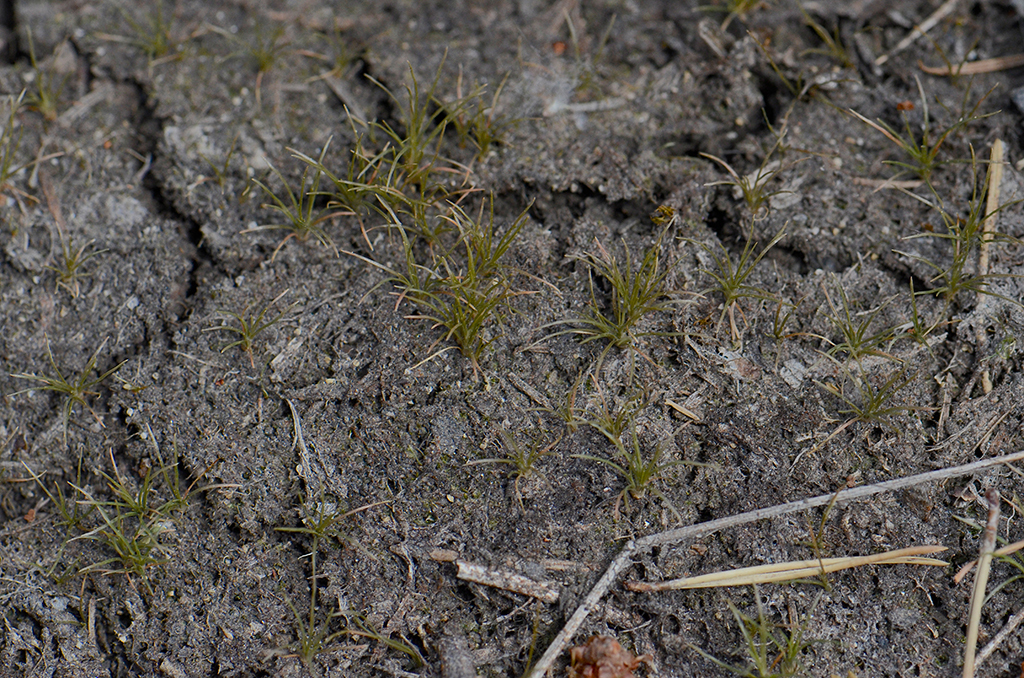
(603, 657)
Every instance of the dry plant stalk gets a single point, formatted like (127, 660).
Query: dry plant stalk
(995, 181)
(988, 545)
(797, 569)
(976, 67)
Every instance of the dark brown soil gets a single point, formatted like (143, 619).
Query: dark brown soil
(616, 105)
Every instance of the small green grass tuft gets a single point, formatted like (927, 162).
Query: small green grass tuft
(637, 290)
(249, 326)
(10, 144)
(476, 121)
(69, 263)
(731, 277)
(323, 521)
(302, 216)
(639, 469)
(134, 521)
(151, 33)
(462, 294)
(418, 147)
(522, 458)
(773, 651)
(221, 171)
(965, 234)
(76, 390)
(870, 403)
(853, 327)
(753, 187)
(832, 44)
(44, 96)
(923, 154)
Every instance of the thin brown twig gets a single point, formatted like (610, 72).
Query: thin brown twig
(1003, 634)
(624, 559)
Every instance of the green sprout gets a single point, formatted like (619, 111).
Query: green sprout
(754, 186)
(923, 152)
(45, 95)
(249, 326)
(461, 298)
(69, 263)
(479, 124)
(133, 521)
(302, 217)
(151, 34)
(832, 44)
(76, 390)
(966, 234)
(418, 148)
(264, 49)
(521, 458)
(772, 651)
(731, 277)
(871, 403)
(640, 471)
(637, 291)
(323, 522)
(853, 327)
(220, 172)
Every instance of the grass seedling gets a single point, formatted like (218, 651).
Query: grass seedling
(264, 47)
(966, 234)
(916, 328)
(69, 263)
(784, 311)
(76, 390)
(151, 34)
(731, 277)
(853, 328)
(44, 96)
(483, 127)
(424, 121)
(923, 153)
(133, 521)
(363, 181)
(302, 217)
(463, 305)
(463, 299)
(636, 292)
(521, 458)
(70, 513)
(833, 46)
(566, 410)
(485, 248)
(639, 471)
(614, 422)
(871, 404)
(754, 186)
(772, 651)
(249, 326)
(323, 522)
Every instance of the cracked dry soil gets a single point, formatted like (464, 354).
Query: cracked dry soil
(615, 102)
